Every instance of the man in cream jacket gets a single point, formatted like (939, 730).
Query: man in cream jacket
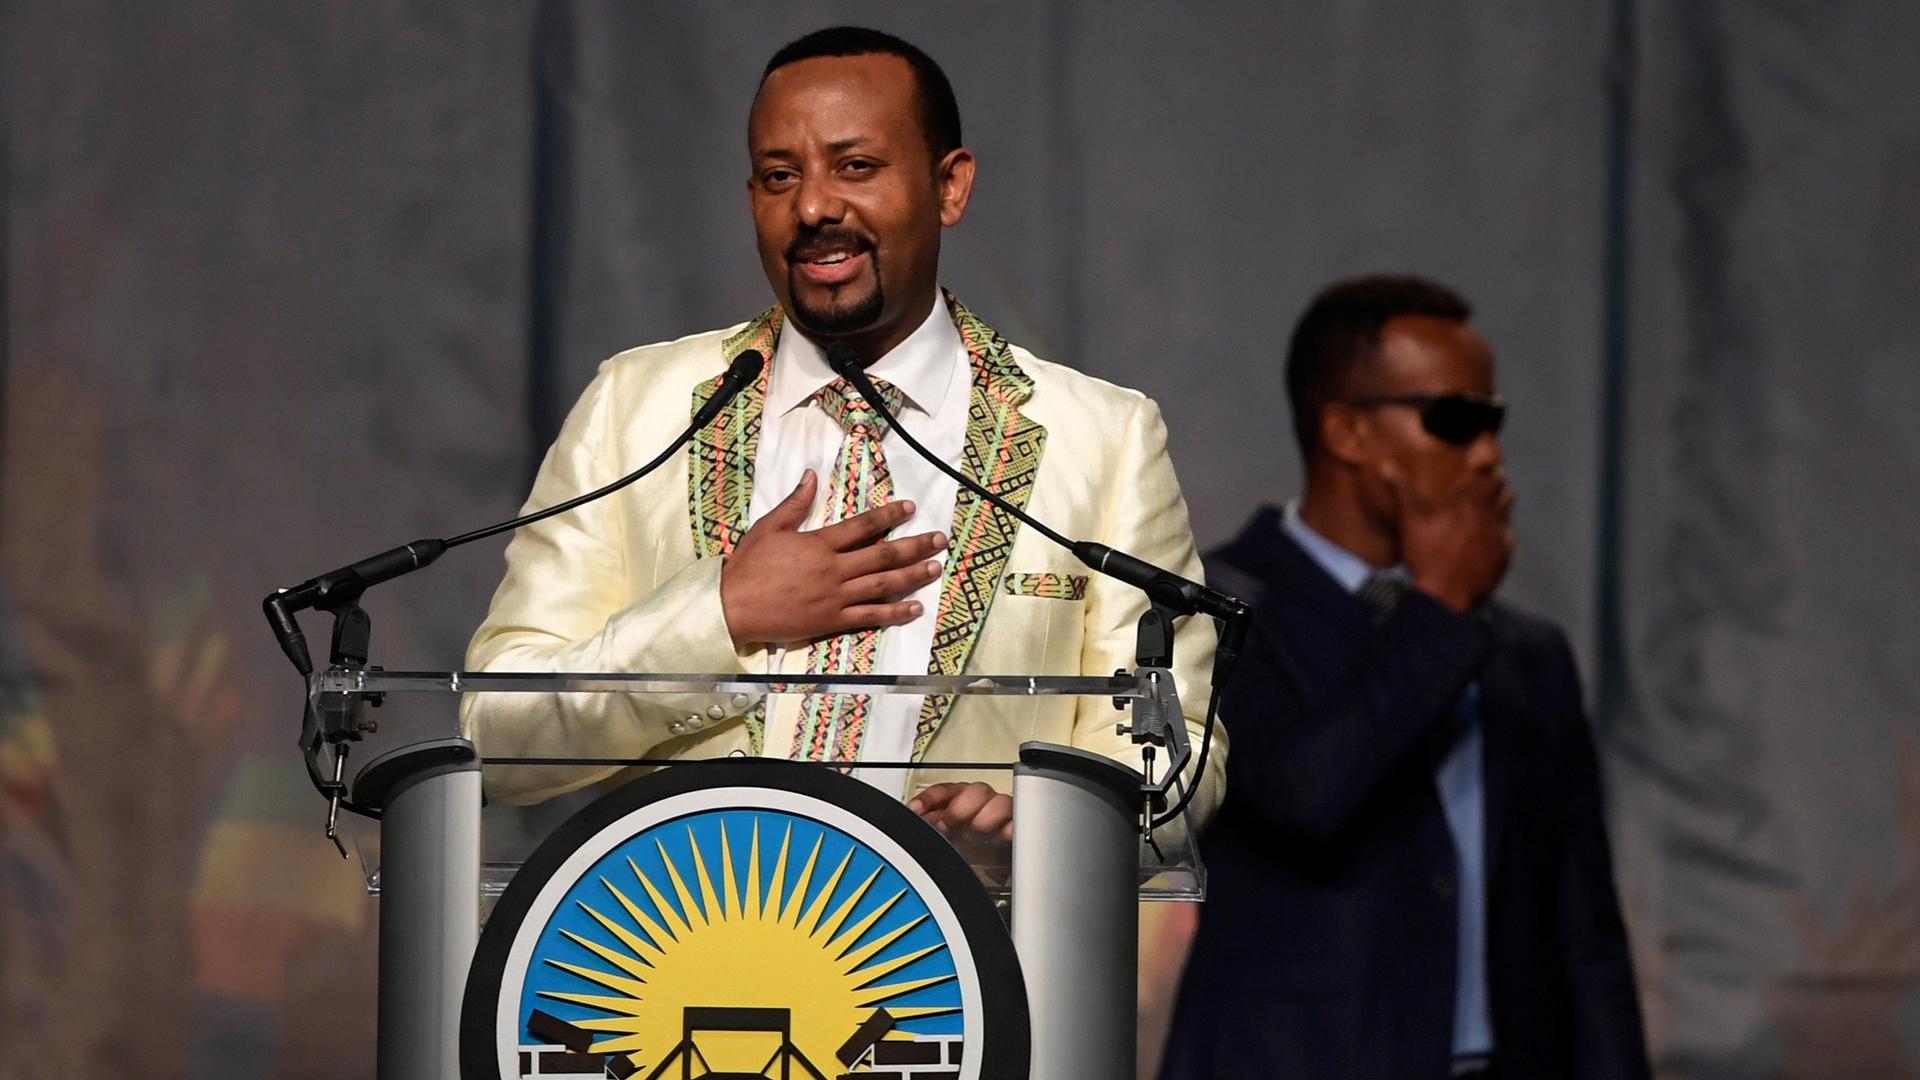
(796, 533)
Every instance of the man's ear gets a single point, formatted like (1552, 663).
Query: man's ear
(1345, 433)
(955, 176)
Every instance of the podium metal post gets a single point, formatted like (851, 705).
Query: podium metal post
(1076, 920)
(429, 797)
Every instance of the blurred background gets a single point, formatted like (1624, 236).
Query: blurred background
(283, 284)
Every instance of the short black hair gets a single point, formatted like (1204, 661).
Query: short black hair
(939, 111)
(1341, 330)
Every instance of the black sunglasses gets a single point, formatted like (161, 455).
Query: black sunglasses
(1455, 418)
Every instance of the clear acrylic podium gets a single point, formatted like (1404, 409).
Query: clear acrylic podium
(1069, 882)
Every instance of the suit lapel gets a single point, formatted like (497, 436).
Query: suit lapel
(1502, 706)
(1321, 647)
(1002, 454)
(720, 463)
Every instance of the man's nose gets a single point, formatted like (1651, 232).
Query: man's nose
(1485, 452)
(819, 203)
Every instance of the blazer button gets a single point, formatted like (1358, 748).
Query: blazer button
(716, 712)
(694, 722)
(1443, 886)
(676, 728)
(740, 702)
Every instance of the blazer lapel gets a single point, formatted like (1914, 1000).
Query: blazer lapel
(1002, 454)
(720, 465)
(1332, 627)
(1502, 707)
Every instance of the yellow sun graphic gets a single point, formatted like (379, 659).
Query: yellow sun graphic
(823, 961)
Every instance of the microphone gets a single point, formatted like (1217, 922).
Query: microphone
(1180, 595)
(337, 590)
(744, 369)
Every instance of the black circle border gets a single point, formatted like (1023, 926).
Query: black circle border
(1005, 1043)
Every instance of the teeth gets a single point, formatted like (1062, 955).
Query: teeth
(835, 258)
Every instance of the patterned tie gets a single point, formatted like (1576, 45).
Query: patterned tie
(832, 726)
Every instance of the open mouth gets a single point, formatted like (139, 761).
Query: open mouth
(832, 265)
(832, 268)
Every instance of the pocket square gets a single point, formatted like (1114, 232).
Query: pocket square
(1048, 586)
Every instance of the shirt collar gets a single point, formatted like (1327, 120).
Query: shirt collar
(1350, 570)
(923, 367)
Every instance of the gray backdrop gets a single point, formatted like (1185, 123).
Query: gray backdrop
(284, 284)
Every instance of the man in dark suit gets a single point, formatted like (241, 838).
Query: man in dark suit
(1410, 875)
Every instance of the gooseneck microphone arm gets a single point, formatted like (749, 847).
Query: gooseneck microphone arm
(1165, 589)
(336, 721)
(336, 590)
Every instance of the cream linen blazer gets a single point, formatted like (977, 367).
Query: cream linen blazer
(631, 582)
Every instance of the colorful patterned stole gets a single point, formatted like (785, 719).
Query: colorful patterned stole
(1002, 453)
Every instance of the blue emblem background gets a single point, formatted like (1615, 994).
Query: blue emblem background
(678, 837)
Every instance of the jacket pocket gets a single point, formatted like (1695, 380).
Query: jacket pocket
(1047, 585)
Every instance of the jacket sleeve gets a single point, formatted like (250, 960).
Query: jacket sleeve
(1611, 1044)
(1146, 516)
(567, 604)
(1309, 763)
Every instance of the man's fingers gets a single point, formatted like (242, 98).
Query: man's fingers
(933, 797)
(967, 805)
(889, 583)
(863, 615)
(791, 512)
(891, 554)
(1396, 482)
(996, 817)
(862, 528)
(971, 807)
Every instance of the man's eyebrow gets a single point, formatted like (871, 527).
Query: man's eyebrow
(838, 146)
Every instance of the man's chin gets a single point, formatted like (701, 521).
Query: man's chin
(839, 318)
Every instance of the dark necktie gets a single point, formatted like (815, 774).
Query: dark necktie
(1381, 592)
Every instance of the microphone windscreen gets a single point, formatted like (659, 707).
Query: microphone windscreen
(746, 366)
(840, 357)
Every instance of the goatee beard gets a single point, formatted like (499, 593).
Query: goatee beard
(839, 320)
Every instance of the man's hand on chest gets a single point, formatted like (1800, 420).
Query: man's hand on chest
(783, 584)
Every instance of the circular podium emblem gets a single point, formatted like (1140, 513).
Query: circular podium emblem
(753, 918)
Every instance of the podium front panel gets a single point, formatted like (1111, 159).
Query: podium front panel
(621, 907)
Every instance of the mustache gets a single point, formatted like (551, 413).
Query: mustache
(814, 242)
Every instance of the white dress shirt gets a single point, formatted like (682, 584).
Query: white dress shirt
(931, 369)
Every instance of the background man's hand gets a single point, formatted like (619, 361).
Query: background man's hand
(781, 584)
(966, 811)
(1458, 543)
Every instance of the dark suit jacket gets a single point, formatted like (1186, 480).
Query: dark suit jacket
(1327, 945)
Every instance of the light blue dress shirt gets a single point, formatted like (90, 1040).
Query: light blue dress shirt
(1461, 796)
